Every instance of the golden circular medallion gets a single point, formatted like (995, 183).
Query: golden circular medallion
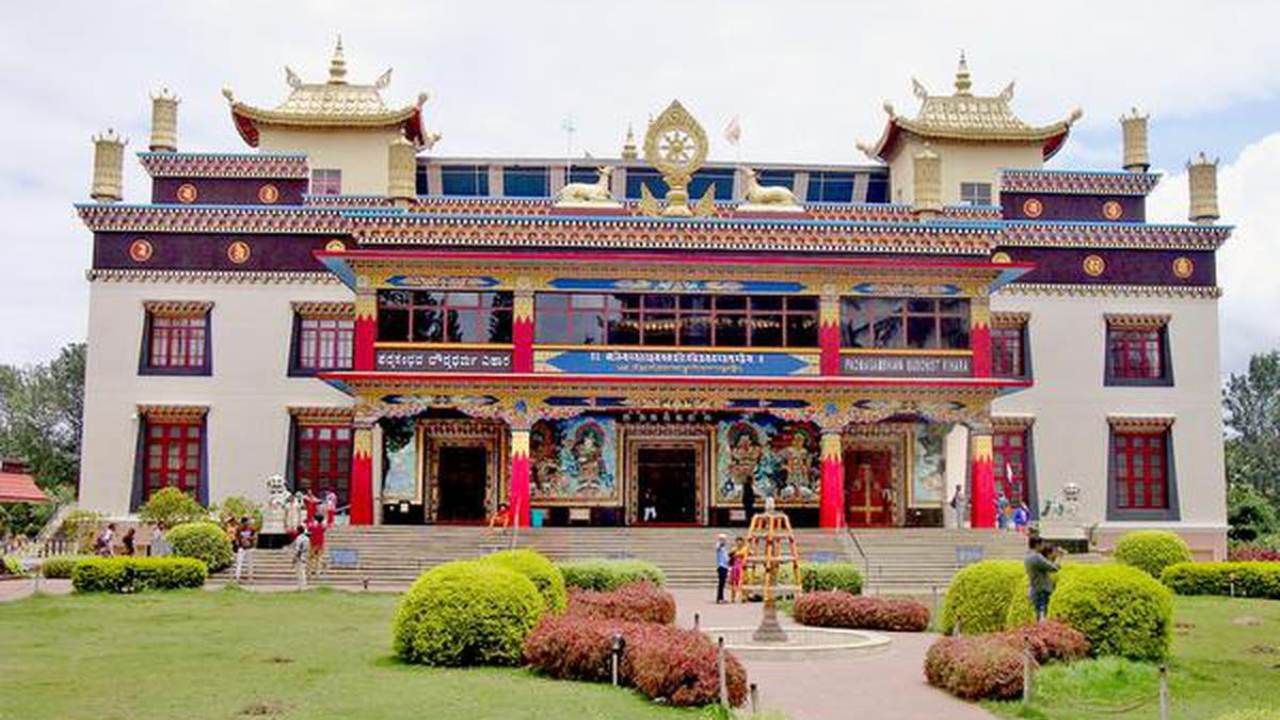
(676, 144)
(335, 246)
(1032, 208)
(140, 250)
(268, 194)
(187, 193)
(1094, 265)
(1183, 267)
(1112, 210)
(1001, 258)
(238, 252)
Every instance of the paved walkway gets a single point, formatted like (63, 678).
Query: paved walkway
(884, 686)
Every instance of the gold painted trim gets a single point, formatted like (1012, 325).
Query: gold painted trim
(177, 307)
(313, 415)
(237, 277)
(904, 351)
(1137, 320)
(172, 412)
(1101, 290)
(325, 309)
(1141, 423)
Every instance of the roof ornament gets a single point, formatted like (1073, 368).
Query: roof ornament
(919, 89)
(338, 65)
(963, 82)
(1007, 93)
(383, 80)
(292, 78)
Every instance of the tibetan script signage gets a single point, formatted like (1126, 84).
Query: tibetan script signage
(445, 361)
(911, 366)
(676, 362)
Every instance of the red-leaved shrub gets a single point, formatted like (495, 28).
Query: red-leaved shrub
(842, 610)
(939, 660)
(1050, 641)
(637, 602)
(1253, 553)
(661, 661)
(989, 667)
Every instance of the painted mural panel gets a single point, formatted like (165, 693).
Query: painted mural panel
(575, 461)
(781, 459)
(929, 460)
(399, 460)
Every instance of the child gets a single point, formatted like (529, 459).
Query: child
(738, 560)
(1022, 518)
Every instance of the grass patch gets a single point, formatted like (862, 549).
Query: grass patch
(1221, 661)
(230, 655)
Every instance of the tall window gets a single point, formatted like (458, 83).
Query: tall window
(326, 181)
(1009, 350)
(830, 187)
(1010, 464)
(923, 323)
(677, 320)
(465, 180)
(1137, 354)
(173, 455)
(524, 181)
(324, 343)
(427, 316)
(322, 460)
(1140, 469)
(975, 193)
(176, 340)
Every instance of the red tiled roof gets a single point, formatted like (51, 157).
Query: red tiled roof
(20, 488)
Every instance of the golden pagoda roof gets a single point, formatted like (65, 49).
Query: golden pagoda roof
(335, 103)
(967, 117)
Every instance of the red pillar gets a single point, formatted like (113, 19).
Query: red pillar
(522, 332)
(829, 335)
(831, 509)
(362, 475)
(518, 494)
(980, 335)
(982, 512)
(366, 331)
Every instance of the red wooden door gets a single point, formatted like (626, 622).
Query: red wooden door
(867, 488)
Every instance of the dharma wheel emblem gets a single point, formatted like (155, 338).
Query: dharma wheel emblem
(140, 250)
(677, 146)
(187, 193)
(1112, 210)
(1033, 208)
(1094, 265)
(1183, 267)
(238, 252)
(268, 194)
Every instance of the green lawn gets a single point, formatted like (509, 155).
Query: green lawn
(231, 655)
(1226, 656)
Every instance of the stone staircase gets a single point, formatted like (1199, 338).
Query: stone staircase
(899, 561)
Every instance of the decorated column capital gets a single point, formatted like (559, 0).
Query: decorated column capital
(829, 331)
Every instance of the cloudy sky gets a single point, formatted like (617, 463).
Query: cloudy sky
(807, 79)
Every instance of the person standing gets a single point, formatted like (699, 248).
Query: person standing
(722, 566)
(316, 531)
(960, 504)
(330, 507)
(301, 555)
(1040, 568)
(246, 540)
(749, 499)
(159, 547)
(128, 542)
(738, 558)
(102, 545)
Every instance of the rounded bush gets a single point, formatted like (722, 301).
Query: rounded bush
(838, 609)
(59, 568)
(601, 574)
(1120, 609)
(467, 613)
(170, 507)
(986, 667)
(203, 541)
(1151, 551)
(831, 576)
(544, 574)
(637, 602)
(132, 574)
(980, 595)
(10, 566)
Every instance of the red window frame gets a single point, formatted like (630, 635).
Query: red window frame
(1140, 467)
(1136, 353)
(899, 320)
(322, 459)
(325, 343)
(1010, 463)
(326, 181)
(490, 315)
(1007, 348)
(173, 456)
(177, 342)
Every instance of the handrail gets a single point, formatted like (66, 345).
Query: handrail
(846, 534)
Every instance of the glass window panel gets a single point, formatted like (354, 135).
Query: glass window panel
(588, 302)
(624, 330)
(552, 302)
(695, 330)
(695, 302)
(766, 330)
(660, 329)
(393, 324)
(464, 326)
(427, 325)
(731, 302)
(802, 331)
(922, 332)
(766, 302)
(802, 303)
(955, 333)
(660, 302)
(731, 331)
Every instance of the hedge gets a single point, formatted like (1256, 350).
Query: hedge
(816, 576)
(1120, 609)
(467, 613)
(980, 595)
(134, 574)
(1151, 551)
(1253, 552)
(1244, 579)
(602, 574)
(11, 566)
(204, 541)
(837, 609)
(990, 666)
(544, 575)
(60, 567)
(637, 602)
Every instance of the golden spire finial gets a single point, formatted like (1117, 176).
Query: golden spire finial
(338, 65)
(629, 151)
(963, 83)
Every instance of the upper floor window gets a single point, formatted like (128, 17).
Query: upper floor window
(467, 180)
(1140, 469)
(326, 181)
(975, 193)
(176, 339)
(719, 178)
(519, 181)
(647, 177)
(1138, 351)
(921, 323)
(428, 316)
(1009, 348)
(677, 320)
(830, 187)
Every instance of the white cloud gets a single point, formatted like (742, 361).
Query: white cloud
(807, 79)
(1249, 264)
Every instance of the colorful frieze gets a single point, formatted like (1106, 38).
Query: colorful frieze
(905, 289)
(439, 360)
(438, 282)
(911, 366)
(1078, 182)
(574, 461)
(680, 286)
(929, 461)
(654, 362)
(780, 459)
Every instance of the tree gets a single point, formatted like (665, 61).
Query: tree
(1252, 404)
(42, 415)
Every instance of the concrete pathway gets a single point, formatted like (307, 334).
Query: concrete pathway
(884, 686)
(18, 589)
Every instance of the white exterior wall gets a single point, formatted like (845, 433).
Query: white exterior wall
(961, 163)
(1070, 404)
(247, 395)
(362, 155)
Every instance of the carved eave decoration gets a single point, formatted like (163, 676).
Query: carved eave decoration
(1120, 236)
(196, 277)
(1141, 423)
(1137, 321)
(1078, 182)
(325, 309)
(1095, 290)
(177, 308)
(172, 413)
(322, 415)
(272, 166)
(1012, 423)
(120, 217)
(1007, 319)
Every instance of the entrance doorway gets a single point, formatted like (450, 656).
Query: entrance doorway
(667, 482)
(462, 478)
(868, 488)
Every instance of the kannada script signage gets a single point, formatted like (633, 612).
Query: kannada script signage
(888, 365)
(433, 360)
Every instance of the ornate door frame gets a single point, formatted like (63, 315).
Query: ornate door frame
(487, 435)
(696, 437)
(894, 439)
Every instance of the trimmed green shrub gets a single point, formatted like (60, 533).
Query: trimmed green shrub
(59, 568)
(132, 574)
(11, 566)
(203, 541)
(980, 595)
(544, 574)
(1120, 609)
(82, 527)
(1151, 551)
(843, 576)
(467, 613)
(1243, 579)
(1020, 610)
(170, 507)
(601, 574)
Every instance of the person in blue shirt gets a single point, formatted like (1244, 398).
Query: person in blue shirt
(722, 566)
